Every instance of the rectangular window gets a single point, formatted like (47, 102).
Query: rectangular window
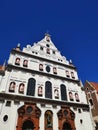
(8, 103)
(72, 75)
(53, 52)
(41, 48)
(79, 110)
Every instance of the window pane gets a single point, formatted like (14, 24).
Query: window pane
(8, 103)
(48, 90)
(63, 92)
(31, 87)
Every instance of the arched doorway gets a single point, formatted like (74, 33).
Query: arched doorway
(66, 118)
(66, 126)
(28, 125)
(28, 117)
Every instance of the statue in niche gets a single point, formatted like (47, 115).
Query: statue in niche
(40, 91)
(56, 93)
(77, 97)
(17, 61)
(25, 63)
(49, 120)
(71, 96)
(12, 87)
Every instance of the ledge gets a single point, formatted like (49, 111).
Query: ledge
(32, 99)
(10, 67)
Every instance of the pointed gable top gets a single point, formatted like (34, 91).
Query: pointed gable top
(45, 48)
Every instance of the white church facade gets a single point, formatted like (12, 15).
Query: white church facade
(40, 90)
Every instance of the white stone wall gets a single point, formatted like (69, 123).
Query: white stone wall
(23, 77)
(4, 82)
(11, 112)
(87, 123)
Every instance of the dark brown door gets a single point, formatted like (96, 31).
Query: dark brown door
(28, 125)
(67, 126)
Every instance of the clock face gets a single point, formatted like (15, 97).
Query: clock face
(29, 109)
(48, 68)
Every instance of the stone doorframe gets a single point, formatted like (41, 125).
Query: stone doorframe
(66, 115)
(30, 112)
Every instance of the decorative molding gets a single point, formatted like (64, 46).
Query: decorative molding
(31, 99)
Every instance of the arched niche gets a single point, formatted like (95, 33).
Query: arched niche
(48, 120)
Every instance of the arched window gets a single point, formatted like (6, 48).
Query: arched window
(48, 119)
(31, 87)
(91, 102)
(63, 92)
(48, 90)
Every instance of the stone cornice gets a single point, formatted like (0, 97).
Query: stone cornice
(10, 67)
(30, 99)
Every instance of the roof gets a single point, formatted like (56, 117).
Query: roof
(0, 67)
(95, 85)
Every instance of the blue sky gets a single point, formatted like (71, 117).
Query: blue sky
(72, 24)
